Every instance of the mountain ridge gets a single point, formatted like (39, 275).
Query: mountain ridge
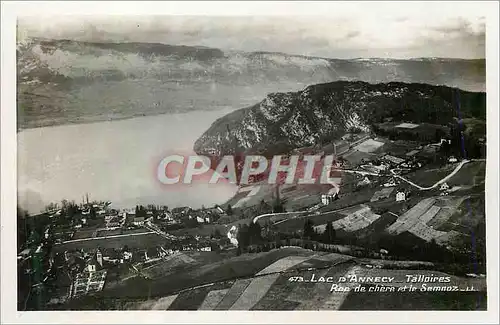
(61, 82)
(323, 112)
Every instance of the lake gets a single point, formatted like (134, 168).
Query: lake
(114, 160)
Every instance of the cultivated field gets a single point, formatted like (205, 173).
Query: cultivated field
(382, 194)
(283, 264)
(261, 290)
(213, 298)
(411, 217)
(137, 241)
(233, 294)
(359, 219)
(172, 263)
(196, 274)
(160, 304)
(427, 178)
(357, 157)
(369, 145)
(467, 174)
(469, 211)
(254, 292)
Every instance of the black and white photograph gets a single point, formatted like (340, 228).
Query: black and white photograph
(312, 156)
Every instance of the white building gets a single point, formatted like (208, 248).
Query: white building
(127, 256)
(328, 198)
(444, 187)
(99, 257)
(400, 196)
(364, 181)
(138, 221)
(390, 183)
(168, 217)
(452, 159)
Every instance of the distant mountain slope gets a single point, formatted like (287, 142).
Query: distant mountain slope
(326, 111)
(62, 81)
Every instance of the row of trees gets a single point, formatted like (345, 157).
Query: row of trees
(421, 134)
(252, 234)
(328, 236)
(467, 137)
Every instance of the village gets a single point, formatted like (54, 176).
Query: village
(80, 244)
(384, 186)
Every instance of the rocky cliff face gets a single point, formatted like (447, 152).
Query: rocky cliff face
(323, 112)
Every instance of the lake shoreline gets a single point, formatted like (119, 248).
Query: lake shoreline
(99, 119)
(111, 160)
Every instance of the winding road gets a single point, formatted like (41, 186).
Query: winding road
(444, 179)
(456, 170)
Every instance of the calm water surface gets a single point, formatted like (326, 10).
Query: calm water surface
(113, 161)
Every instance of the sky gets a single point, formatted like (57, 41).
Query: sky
(330, 30)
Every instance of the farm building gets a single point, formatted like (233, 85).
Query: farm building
(444, 187)
(180, 211)
(407, 126)
(152, 253)
(393, 160)
(139, 221)
(94, 264)
(111, 256)
(400, 196)
(328, 198)
(113, 222)
(127, 256)
(168, 216)
(392, 182)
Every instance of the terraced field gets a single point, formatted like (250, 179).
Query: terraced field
(282, 279)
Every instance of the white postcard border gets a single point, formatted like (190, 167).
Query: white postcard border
(8, 165)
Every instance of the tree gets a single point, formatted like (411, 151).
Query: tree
(23, 227)
(264, 207)
(93, 213)
(309, 229)
(229, 210)
(278, 206)
(72, 209)
(329, 235)
(51, 207)
(243, 236)
(254, 233)
(217, 233)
